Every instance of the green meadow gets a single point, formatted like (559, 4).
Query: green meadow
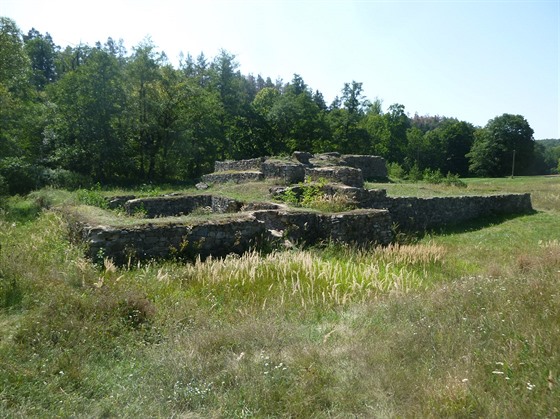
(462, 322)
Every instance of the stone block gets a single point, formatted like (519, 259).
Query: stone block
(337, 174)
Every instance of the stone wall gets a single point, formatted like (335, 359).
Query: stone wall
(361, 227)
(241, 234)
(293, 171)
(235, 177)
(337, 174)
(170, 206)
(419, 214)
(239, 165)
(286, 172)
(172, 240)
(372, 167)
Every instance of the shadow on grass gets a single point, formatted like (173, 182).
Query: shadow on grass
(466, 226)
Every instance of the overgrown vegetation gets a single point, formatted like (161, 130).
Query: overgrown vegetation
(311, 194)
(463, 323)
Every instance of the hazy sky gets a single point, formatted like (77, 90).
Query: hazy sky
(473, 60)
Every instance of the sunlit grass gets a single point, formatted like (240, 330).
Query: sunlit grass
(463, 323)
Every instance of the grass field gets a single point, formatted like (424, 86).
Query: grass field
(462, 323)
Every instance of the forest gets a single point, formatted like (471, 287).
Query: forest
(77, 115)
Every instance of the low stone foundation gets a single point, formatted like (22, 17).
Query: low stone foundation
(172, 206)
(152, 241)
(338, 174)
(419, 214)
(286, 173)
(291, 171)
(235, 177)
(372, 167)
(249, 165)
(241, 234)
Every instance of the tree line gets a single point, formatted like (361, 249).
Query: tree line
(84, 113)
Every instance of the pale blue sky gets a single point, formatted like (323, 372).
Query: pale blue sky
(473, 60)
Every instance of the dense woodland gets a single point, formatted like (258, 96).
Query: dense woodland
(76, 115)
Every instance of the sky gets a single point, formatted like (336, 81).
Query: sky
(472, 60)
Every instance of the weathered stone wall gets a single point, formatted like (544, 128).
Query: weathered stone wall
(361, 227)
(239, 235)
(372, 167)
(172, 240)
(419, 214)
(286, 172)
(235, 177)
(169, 206)
(338, 174)
(239, 165)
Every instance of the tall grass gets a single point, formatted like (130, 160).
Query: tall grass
(460, 324)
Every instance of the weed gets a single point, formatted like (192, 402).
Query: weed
(92, 197)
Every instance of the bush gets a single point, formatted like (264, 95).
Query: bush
(395, 171)
(92, 196)
(4, 190)
(453, 180)
(20, 176)
(414, 174)
(432, 176)
(65, 179)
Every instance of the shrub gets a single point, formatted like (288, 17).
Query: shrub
(332, 203)
(21, 176)
(432, 176)
(312, 192)
(453, 180)
(395, 171)
(4, 190)
(92, 196)
(414, 174)
(65, 179)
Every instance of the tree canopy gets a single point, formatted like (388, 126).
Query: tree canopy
(101, 113)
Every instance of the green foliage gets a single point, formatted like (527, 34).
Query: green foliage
(395, 171)
(65, 179)
(312, 191)
(290, 197)
(505, 143)
(4, 187)
(20, 175)
(453, 180)
(414, 174)
(432, 176)
(95, 112)
(92, 196)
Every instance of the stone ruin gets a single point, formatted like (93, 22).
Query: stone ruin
(169, 229)
(334, 167)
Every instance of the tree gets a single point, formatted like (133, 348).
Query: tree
(143, 75)
(345, 118)
(42, 52)
(505, 146)
(392, 142)
(14, 63)
(21, 110)
(296, 118)
(84, 130)
(445, 147)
